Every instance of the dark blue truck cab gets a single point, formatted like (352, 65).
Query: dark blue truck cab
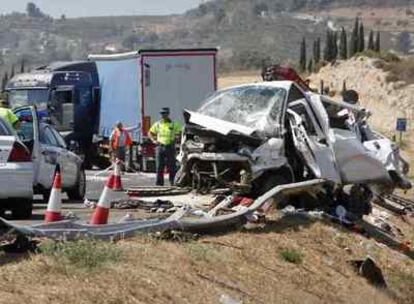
(67, 95)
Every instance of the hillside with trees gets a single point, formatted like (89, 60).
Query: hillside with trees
(248, 32)
(339, 44)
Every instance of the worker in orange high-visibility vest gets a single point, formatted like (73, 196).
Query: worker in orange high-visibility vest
(119, 141)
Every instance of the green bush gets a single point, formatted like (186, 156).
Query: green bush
(386, 56)
(87, 255)
(292, 256)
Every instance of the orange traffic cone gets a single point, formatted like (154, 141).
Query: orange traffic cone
(117, 172)
(101, 214)
(54, 206)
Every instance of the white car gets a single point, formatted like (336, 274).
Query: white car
(16, 174)
(48, 148)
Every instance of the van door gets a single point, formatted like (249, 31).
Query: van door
(311, 141)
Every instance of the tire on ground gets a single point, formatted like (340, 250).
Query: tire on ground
(78, 191)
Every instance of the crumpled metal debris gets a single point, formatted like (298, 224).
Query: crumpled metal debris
(70, 229)
(368, 269)
(146, 205)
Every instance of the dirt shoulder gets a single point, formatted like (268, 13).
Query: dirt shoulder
(247, 266)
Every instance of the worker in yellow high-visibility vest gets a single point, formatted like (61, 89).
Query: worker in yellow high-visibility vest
(8, 115)
(164, 134)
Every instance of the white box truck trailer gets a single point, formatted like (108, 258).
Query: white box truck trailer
(135, 86)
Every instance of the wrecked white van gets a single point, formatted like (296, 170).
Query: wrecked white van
(264, 134)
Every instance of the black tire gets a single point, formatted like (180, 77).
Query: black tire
(79, 190)
(22, 209)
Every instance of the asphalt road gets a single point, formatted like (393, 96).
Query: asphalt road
(96, 181)
(95, 184)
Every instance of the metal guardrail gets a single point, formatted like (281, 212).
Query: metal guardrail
(70, 230)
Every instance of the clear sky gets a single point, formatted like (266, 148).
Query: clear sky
(81, 8)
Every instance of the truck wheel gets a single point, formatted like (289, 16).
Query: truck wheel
(22, 209)
(78, 191)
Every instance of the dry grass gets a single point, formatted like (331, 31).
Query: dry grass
(246, 266)
(234, 79)
(81, 255)
(401, 71)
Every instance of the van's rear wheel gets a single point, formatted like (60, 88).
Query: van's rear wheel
(79, 190)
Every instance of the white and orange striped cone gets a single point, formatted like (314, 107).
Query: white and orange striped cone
(54, 206)
(117, 173)
(101, 213)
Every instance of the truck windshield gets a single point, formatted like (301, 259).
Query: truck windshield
(37, 97)
(250, 106)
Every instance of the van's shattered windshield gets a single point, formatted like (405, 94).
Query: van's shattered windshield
(250, 106)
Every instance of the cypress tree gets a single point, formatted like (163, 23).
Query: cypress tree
(361, 38)
(334, 42)
(377, 46)
(302, 62)
(371, 45)
(327, 52)
(310, 66)
(317, 51)
(343, 45)
(12, 71)
(22, 66)
(353, 47)
(4, 82)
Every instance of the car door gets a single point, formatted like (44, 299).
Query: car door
(312, 142)
(54, 153)
(28, 133)
(70, 160)
(6, 142)
(49, 157)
